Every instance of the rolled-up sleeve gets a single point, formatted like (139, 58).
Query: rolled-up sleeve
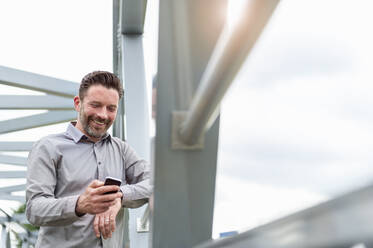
(42, 207)
(138, 188)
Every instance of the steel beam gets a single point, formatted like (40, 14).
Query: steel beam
(15, 146)
(137, 117)
(13, 160)
(29, 238)
(9, 197)
(183, 56)
(129, 66)
(119, 128)
(5, 237)
(12, 174)
(133, 16)
(230, 52)
(143, 222)
(14, 188)
(116, 37)
(341, 222)
(20, 218)
(33, 81)
(3, 219)
(35, 102)
(136, 103)
(39, 120)
(184, 180)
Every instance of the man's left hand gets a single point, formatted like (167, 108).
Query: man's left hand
(104, 223)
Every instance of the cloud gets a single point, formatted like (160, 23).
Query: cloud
(299, 135)
(297, 58)
(66, 48)
(310, 38)
(299, 114)
(242, 205)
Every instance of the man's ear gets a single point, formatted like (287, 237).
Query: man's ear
(77, 103)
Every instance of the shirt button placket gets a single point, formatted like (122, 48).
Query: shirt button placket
(99, 163)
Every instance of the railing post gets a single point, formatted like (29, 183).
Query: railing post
(184, 180)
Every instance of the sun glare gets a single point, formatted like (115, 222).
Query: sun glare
(235, 11)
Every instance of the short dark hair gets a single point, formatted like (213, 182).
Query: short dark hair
(104, 78)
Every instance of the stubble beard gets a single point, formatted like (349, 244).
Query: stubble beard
(85, 120)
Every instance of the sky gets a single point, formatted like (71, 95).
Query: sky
(62, 39)
(296, 126)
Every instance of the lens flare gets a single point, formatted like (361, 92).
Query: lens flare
(235, 11)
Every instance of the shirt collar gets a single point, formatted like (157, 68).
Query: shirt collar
(78, 135)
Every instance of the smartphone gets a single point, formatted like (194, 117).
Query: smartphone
(112, 181)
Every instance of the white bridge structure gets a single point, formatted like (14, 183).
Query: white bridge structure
(198, 58)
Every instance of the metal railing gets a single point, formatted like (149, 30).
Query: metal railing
(342, 222)
(58, 103)
(14, 223)
(229, 54)
(143, 222)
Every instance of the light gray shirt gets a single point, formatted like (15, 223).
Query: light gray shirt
(60, 167)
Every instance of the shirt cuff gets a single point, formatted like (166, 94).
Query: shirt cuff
(71, 206)
(128, 194)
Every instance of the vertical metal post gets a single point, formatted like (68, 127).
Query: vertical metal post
(119, 128)
(184, 182)
(25, 244)
(137, 117)
(133, 110)
(5, 237)
(119, 124)
(136, 100)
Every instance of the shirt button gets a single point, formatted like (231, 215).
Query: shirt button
(99, 162)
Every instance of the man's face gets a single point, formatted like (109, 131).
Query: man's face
(97, 111)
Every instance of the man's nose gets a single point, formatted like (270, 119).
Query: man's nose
(102, 113)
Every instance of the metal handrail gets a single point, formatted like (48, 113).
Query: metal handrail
(142, 224)
(229, 54)
(341, 222)
(28, 237)
(145, 217)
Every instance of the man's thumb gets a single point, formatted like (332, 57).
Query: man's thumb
(96, 184)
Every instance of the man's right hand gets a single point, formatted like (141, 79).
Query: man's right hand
(94, 201)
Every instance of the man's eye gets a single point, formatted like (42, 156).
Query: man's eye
(95, 105)
(112, 109)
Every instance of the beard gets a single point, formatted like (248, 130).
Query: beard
(91, 131)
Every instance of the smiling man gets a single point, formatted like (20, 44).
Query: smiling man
(65, 192)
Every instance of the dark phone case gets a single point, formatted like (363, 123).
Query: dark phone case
(110, 181)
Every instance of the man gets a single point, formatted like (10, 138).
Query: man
(65, 193)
